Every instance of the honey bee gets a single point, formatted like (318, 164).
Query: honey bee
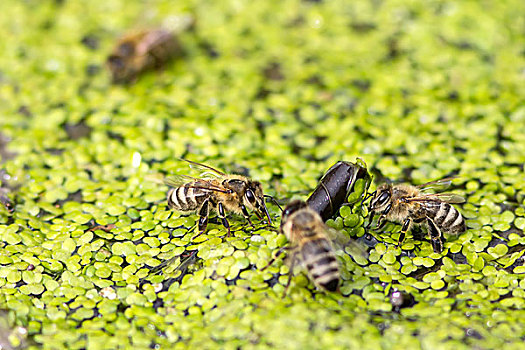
(411, 205)
(140, 51)
(217, 191)
(310, 244)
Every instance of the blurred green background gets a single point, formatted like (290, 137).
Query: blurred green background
(279, 90)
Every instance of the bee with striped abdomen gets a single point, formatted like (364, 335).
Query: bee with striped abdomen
(217, 191)
(409, 205)
(310, 244)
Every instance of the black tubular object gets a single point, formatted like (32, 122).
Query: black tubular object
(334, 187)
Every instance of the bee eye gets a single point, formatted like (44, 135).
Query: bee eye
(250, 196)
(287, 211)
(383, 198)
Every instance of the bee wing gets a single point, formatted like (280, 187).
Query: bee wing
(151, 39)
(176, 180)
(179, 180)
(157, 178)
(443, 197)
(436, 186)
(205, 170)
(451, 198)
(353, 247)
(183, 180)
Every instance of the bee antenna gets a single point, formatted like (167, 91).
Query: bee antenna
(273, 200)
(368, 195)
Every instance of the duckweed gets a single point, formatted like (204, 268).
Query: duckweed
(92, 257)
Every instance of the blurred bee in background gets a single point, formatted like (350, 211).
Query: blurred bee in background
(217, 191)
(311, 245)
(142, 50)
(409, 205)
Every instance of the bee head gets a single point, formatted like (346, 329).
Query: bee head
(121, 70)
(381, 197)
(291, 208)
(254, 199)
(119, 63)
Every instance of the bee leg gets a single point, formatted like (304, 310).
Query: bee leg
(403, 232)
(222, 215)
(365, 198)
(246, 215)
(290, 274)
(203, 220)
(387, 209)
(371, 215)
(382, 219)
(381, 222)
(279, 252)
(435, 236)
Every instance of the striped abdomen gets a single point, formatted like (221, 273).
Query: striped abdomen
(446, 217)
(187, 198)
(319, 259)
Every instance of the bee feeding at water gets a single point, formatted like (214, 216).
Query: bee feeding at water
(218, 191)
(312, 245)
(410, 205)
